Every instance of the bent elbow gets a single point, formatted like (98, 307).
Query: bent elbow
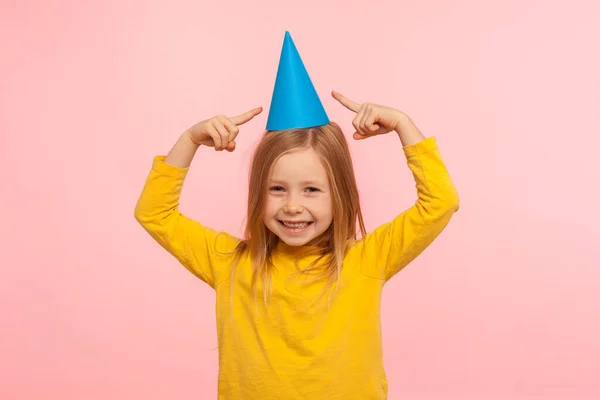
(454, 202)
(448, 204)
(140, 214)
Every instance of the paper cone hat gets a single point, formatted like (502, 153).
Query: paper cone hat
(295, 102)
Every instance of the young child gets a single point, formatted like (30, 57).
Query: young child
(298, 299)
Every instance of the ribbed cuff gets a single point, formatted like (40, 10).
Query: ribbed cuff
(422, 147)
(159, 165)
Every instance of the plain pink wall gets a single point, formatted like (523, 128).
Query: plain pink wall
(504, 305)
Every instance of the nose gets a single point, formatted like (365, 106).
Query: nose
(292, 208)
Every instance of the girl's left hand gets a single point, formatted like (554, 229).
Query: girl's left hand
(371, 119)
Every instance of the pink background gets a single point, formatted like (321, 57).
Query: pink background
(504, 305)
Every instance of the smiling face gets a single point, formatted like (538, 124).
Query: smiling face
(298, 206)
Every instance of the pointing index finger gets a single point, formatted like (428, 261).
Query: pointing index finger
(247, 116)
(349, 104)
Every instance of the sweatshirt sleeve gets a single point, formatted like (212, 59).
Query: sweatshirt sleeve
(392, 246)
(203, 251)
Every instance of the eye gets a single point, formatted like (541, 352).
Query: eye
(276, 188)
(313, 189)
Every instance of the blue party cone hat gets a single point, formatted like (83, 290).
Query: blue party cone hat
(295, 102)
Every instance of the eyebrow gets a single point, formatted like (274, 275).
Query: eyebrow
(304, 182)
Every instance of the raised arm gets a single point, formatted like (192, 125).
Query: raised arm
(200, 249)
(394, 245)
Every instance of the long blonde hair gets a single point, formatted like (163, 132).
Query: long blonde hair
(330, 144)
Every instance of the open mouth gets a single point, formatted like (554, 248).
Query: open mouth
(296, 226)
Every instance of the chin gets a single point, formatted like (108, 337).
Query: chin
(295, 242)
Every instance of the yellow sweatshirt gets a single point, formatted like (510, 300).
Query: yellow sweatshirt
(288, 350)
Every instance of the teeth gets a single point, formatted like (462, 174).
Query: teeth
(296, 224)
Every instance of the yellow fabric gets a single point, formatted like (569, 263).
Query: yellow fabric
(289, 350)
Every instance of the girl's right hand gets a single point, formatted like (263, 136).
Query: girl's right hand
(220, 131)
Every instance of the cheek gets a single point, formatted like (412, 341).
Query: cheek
(324, 209)
(271, 207)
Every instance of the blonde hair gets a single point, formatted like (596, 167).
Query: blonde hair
(330, 144)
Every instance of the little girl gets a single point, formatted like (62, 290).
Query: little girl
(298, 299)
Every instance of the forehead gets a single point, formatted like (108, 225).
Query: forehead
(302, 165)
